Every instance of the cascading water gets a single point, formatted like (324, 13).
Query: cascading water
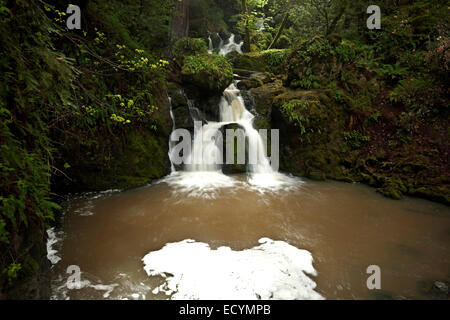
(233, 109)
(202, 175)
(207, 150)
(171, 143)
(225, 46)
(210, 45)
(230, 46)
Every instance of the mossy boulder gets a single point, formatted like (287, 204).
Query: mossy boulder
(268, 60)
(188, 47)
(309, 122)
(209, 73)
(136, 159)
(247, 84)
(263, 97)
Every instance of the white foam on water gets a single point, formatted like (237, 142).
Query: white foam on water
(53, 239)
(271, 270)
(274, 182)
(199, 184)
(61, 289)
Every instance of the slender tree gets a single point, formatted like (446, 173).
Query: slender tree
(246, 23)
(180, 20)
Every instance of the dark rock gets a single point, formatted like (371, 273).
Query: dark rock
(247, 84)
(215, 40)
(434, 289)
(33, 281)
(224, 34)
(441, 286)
(235, 167)
(264, 97)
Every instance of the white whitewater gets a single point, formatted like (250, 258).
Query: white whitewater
(232, 110)
(207, 149)
(230, 45)
(171, 143)
(210, 45)
(227, 46)
(202, 176)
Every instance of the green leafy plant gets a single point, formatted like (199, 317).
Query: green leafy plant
(355, 139)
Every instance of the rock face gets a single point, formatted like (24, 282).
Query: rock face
(235, 167)
(263, 61)
(320, 138)
(263, 101)
(133, 159)
(34, 279)
(180, 108)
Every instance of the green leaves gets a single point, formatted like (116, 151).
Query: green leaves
(355, 139)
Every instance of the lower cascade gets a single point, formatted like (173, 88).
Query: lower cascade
(202, 172)
(207, 152)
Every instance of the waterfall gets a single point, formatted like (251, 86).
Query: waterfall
(232, 109)
(210, 45)
(207, 148)
(202, 174)
(225, 47)
(171, 143)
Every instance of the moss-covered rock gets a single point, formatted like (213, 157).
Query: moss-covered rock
(393, 188)
(209, 73)
(188, 47)
(268, 60)
(138, 158)
(248, 84)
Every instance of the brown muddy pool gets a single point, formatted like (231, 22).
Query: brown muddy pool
(338, 229)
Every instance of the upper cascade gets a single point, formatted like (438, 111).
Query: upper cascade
(225, 46)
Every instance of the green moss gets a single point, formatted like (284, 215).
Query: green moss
(439, 194)
(189, 47)
(268, 60)
(209, 72)
(393, 188)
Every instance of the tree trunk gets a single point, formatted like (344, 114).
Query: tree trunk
(280, 30)
(336, 19)
(247, 31)
(180, 20)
